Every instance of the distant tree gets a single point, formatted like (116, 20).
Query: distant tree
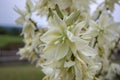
(2, 31)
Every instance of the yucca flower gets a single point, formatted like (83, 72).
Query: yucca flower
(74, 46)
(26, 14)
(105, 29)
(60, 40)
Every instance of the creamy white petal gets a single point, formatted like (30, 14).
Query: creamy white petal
(78, 71)
(88, 51)
(55, 52)
(57, 23)
(47, 70)
(50, 36)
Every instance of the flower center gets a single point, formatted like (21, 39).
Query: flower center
(61, 39)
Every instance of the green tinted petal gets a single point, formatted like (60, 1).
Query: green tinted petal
(56, 52)
(88, 51)
(50, 36)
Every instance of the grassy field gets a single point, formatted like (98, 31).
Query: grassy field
(7, 39)
(20, 72)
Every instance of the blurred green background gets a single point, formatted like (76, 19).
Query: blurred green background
(20, 72)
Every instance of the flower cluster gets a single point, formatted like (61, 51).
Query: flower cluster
(75, 45)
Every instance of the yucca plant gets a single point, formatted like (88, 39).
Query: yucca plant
(75, 45)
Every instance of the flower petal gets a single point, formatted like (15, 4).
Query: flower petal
(49, 36)
(55, 52)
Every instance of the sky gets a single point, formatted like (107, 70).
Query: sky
(8, 15)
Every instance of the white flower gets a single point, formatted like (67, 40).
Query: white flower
(105, 29)
(47, 70)
(55, 39)
(73, 45)
(28, 32)
(25, 14)
(27, 53)
(60, 39)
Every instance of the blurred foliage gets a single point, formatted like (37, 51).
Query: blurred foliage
(20, 72)
(10, 30)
